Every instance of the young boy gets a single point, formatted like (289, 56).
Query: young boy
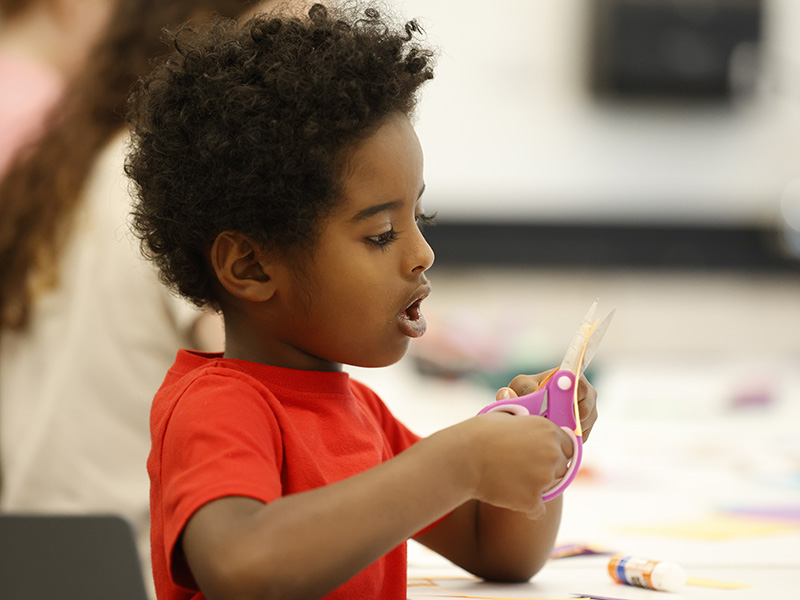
(280, 183)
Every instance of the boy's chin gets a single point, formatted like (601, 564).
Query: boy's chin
(378, 362)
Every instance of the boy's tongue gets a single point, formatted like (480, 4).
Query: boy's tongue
(412, 321)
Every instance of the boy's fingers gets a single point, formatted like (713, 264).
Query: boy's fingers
(567, 445)
(505, 393)
(525, 384)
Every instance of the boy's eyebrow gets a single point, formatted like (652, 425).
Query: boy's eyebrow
(379, 208)
(374, 210)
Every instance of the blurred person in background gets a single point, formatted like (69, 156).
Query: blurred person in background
(87, 330)
(42, 44)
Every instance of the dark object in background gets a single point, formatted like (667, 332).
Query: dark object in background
(68, 557)
(684, 49)
(747, 249)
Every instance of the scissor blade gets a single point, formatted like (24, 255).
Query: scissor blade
(595, 339)
(573, 355)
(588, 337)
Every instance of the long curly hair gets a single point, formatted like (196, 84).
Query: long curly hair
(245, 128)
(42, 190)
(12, 8)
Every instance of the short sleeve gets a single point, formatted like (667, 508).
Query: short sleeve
(222, 439)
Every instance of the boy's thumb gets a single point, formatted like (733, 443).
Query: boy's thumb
(505, 393)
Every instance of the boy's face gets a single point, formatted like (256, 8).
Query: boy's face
(358, 301)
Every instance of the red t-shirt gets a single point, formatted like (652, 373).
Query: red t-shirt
(223, 427)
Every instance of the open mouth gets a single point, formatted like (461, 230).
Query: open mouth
(413, 312)
(412, 321)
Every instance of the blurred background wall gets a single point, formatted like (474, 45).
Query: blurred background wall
(667, 130)
(643, 151)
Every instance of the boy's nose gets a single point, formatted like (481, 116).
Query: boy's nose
(424, 255)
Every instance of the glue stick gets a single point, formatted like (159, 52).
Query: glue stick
(652, 574)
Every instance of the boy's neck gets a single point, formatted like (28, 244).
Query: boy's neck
(267, 352)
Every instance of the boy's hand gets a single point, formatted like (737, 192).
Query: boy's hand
(518, 458)
(587, 396)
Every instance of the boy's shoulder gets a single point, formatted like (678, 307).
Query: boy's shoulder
(190, 366)
(201, 370)
(203, 388)
(202, 378)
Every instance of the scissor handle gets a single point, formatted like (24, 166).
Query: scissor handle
(556, 402)
(572, 469)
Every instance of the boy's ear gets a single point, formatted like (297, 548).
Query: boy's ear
(242, 266)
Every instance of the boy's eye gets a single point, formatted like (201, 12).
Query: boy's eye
(425, 219)
(383, 239)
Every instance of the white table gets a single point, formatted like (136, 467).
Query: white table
(675, 491)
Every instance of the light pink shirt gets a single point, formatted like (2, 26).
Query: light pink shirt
(28, 89)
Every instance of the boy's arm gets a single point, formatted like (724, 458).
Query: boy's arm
(307, 544)
(496, 543)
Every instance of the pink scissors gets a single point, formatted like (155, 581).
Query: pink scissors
(557, 397)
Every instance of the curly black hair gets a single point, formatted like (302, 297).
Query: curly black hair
(246, 127)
